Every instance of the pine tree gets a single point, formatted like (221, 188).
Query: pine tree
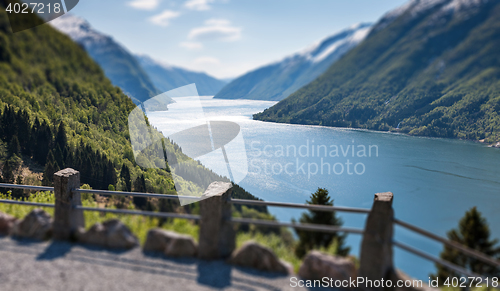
(14, 147)
(9, 127)
(23, 130)
(58, 156)
(61, 139)
(140, 186)
(51, 167)
(111, 177)
(33, 137)
(43, 143)
(310, 240)
(18, 193)
(8, 176)
(125, 175)
(473, 231)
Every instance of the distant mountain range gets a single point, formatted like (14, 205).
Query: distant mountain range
(431, 67)
(278, 80)
(140, 77)
(166, 77)
(118, 63)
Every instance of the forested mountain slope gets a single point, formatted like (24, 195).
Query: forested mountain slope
(59, 110)
(431, 67)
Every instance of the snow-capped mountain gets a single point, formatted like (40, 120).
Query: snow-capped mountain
(278, 80)
(166, 77)
(415, 8)
(119, 65)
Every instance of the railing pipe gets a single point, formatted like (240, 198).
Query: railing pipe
(26, 187)
(462, 248)
(7, 201)
(145, 213)
(303, 206)
(135, 194)
(441, 262)
(302, 226)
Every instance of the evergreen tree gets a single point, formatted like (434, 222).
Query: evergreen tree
(51, 167)
(8, 176)
(43, 143)
(140, 186)
(127, 180)
(23, 130)
(473, 231)
(309, 240)
(61, 139)
(18, 193)
(111, 177)
(14, 147)
(58, 156)
(8, 123)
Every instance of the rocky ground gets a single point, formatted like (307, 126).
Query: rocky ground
(28, 265)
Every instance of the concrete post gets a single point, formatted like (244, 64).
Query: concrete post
(66, 219)
(376, 260)
(217, 235)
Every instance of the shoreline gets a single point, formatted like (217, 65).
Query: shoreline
(482, 141)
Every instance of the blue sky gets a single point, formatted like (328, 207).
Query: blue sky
(225, 38)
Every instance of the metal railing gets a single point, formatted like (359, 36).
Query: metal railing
(269, 223)
(461, 248)
(464, 249)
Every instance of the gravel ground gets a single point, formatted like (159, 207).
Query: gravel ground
(26, 265)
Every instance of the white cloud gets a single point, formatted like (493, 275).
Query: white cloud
(191, 45)
(216, 29)
(199, 5)
(144, 4)
(204, 61)
(163, 19)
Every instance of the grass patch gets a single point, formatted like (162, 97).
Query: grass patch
(138, 224)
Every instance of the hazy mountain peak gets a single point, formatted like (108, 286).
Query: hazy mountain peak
(149, 61)
(78, 28)
(415, 8)
(458, 6)
(352, 35)
(117, 62)
(279, 79)
(167, 77)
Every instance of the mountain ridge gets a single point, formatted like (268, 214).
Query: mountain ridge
(279, 79)
(167, 77)
(117, 62)
(430, 67)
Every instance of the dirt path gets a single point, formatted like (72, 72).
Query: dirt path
(64, 266)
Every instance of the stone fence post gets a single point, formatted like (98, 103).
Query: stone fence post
(67, 219)
(217, 235)
(376, 260)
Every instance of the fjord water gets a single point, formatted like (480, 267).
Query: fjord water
(434, 181)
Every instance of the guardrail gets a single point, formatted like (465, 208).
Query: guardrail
(217, 236)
